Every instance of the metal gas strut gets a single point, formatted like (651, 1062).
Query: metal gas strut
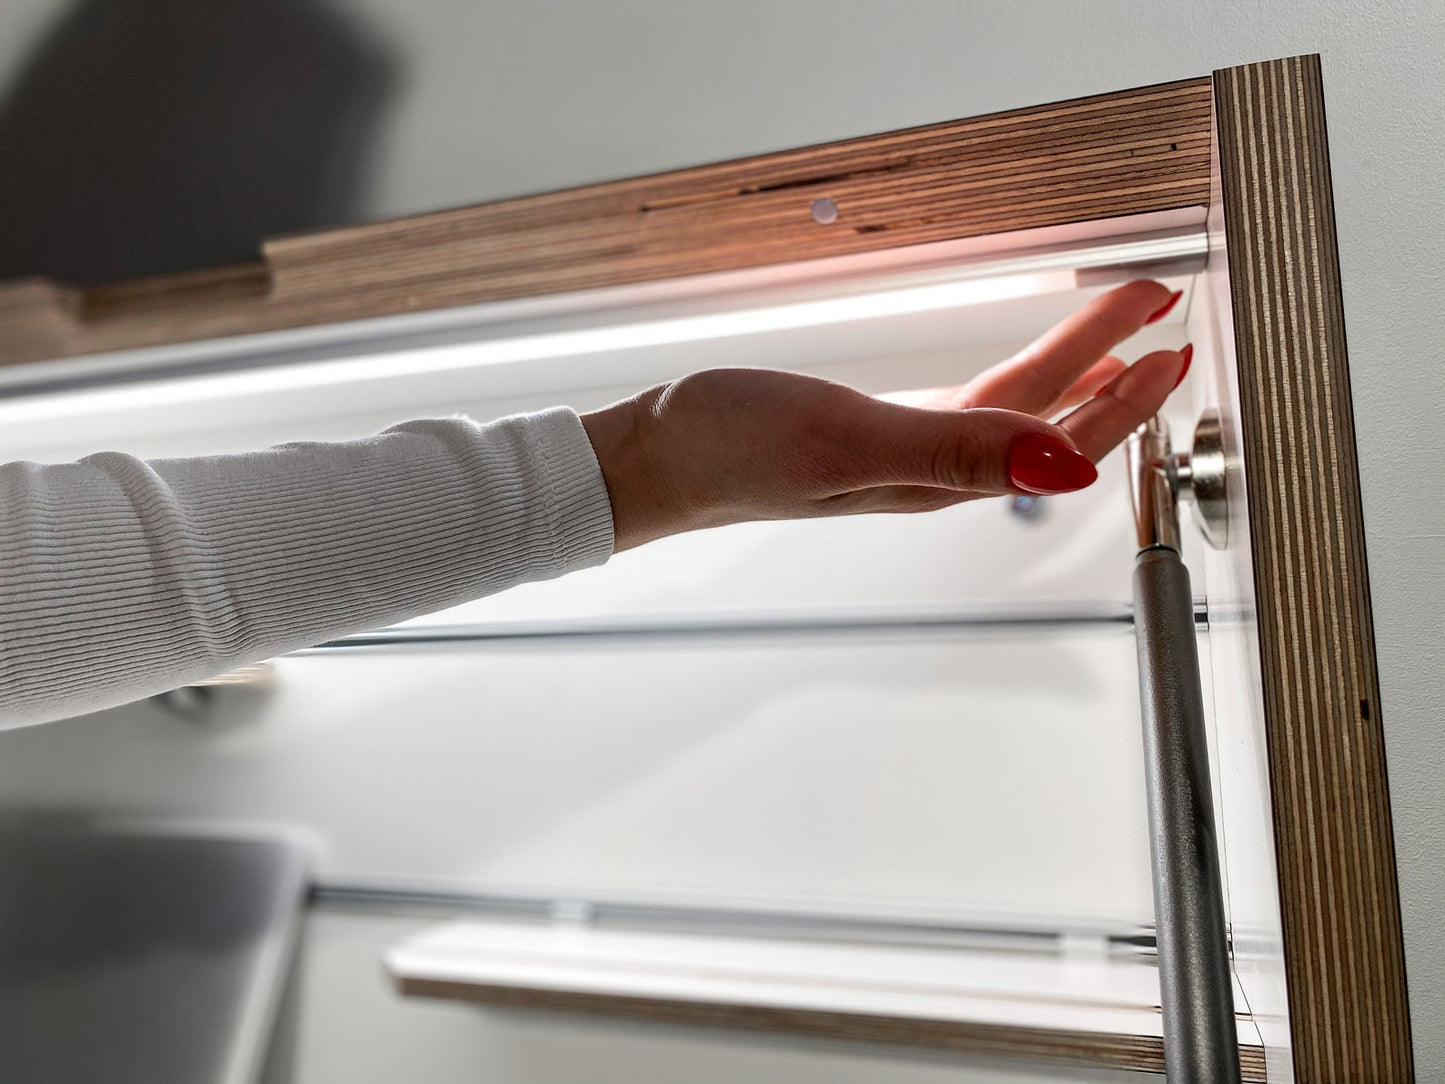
(1201, 1044)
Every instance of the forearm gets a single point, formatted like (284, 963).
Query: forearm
(119, 578)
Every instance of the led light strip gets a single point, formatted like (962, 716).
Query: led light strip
(921, 290)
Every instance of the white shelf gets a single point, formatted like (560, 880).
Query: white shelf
(1083, 1006)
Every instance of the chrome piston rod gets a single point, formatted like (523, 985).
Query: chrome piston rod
(1201, 1045)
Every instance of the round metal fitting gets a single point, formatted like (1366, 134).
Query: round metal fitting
(1202, 477)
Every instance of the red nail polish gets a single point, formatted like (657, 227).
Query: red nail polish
(1039, 463)
(1188, 351)
(1168, 305)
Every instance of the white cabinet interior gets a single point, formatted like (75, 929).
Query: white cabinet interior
(909, 774)
(848, 759)
(795, 718)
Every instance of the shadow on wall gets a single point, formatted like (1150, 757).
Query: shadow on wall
(146, 136)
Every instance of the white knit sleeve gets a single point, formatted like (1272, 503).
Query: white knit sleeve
(121, 578)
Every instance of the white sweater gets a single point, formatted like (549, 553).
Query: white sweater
(121, 578)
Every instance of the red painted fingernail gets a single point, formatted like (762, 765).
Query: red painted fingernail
(1039, 463)
(1168, 305)
(1187, 350)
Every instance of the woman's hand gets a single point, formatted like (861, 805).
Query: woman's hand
(728, 445)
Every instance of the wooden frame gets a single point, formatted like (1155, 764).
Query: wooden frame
(1334, 845)
(1140, 150)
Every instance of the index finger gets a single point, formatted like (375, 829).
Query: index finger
(1037, 377)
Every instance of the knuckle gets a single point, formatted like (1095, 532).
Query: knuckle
(960, 461)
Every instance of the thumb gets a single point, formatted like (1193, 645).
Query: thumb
(981, 450)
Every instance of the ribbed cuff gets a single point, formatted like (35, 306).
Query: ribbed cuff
(579, 510)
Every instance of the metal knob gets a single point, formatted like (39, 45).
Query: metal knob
(1201, 475)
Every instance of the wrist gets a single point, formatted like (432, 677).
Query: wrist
(625, 443)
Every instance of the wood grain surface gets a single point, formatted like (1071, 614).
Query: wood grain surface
(1130, 1052)
(1101, 157)
(1344, 957)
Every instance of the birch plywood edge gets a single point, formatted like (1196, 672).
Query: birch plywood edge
(1099, 1011)
(1134, 1053)
(1339, 899)
(1107, 156)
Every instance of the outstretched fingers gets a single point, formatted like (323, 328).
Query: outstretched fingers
(1090, 384)
(1125, 403)
(1041, 377)
(977, 452)
(913, 459)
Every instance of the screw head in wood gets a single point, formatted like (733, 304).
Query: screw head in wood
(824, 211)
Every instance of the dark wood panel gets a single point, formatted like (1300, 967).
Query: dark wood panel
(1117, 154)
(1344, 955)
(1134, 1052)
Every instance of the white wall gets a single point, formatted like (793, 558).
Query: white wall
(502, 99)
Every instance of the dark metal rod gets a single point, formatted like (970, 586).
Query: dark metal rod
(1196, 989)
(403, 898)
(722, 626)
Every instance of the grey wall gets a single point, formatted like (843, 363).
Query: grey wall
(498, 99)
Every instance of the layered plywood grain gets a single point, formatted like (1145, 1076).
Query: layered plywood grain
(1102, 157)
(1339, 900)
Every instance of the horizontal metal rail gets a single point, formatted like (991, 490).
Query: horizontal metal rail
(192, 700)
(1101, 260)
(741, 625)
(401, 898)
